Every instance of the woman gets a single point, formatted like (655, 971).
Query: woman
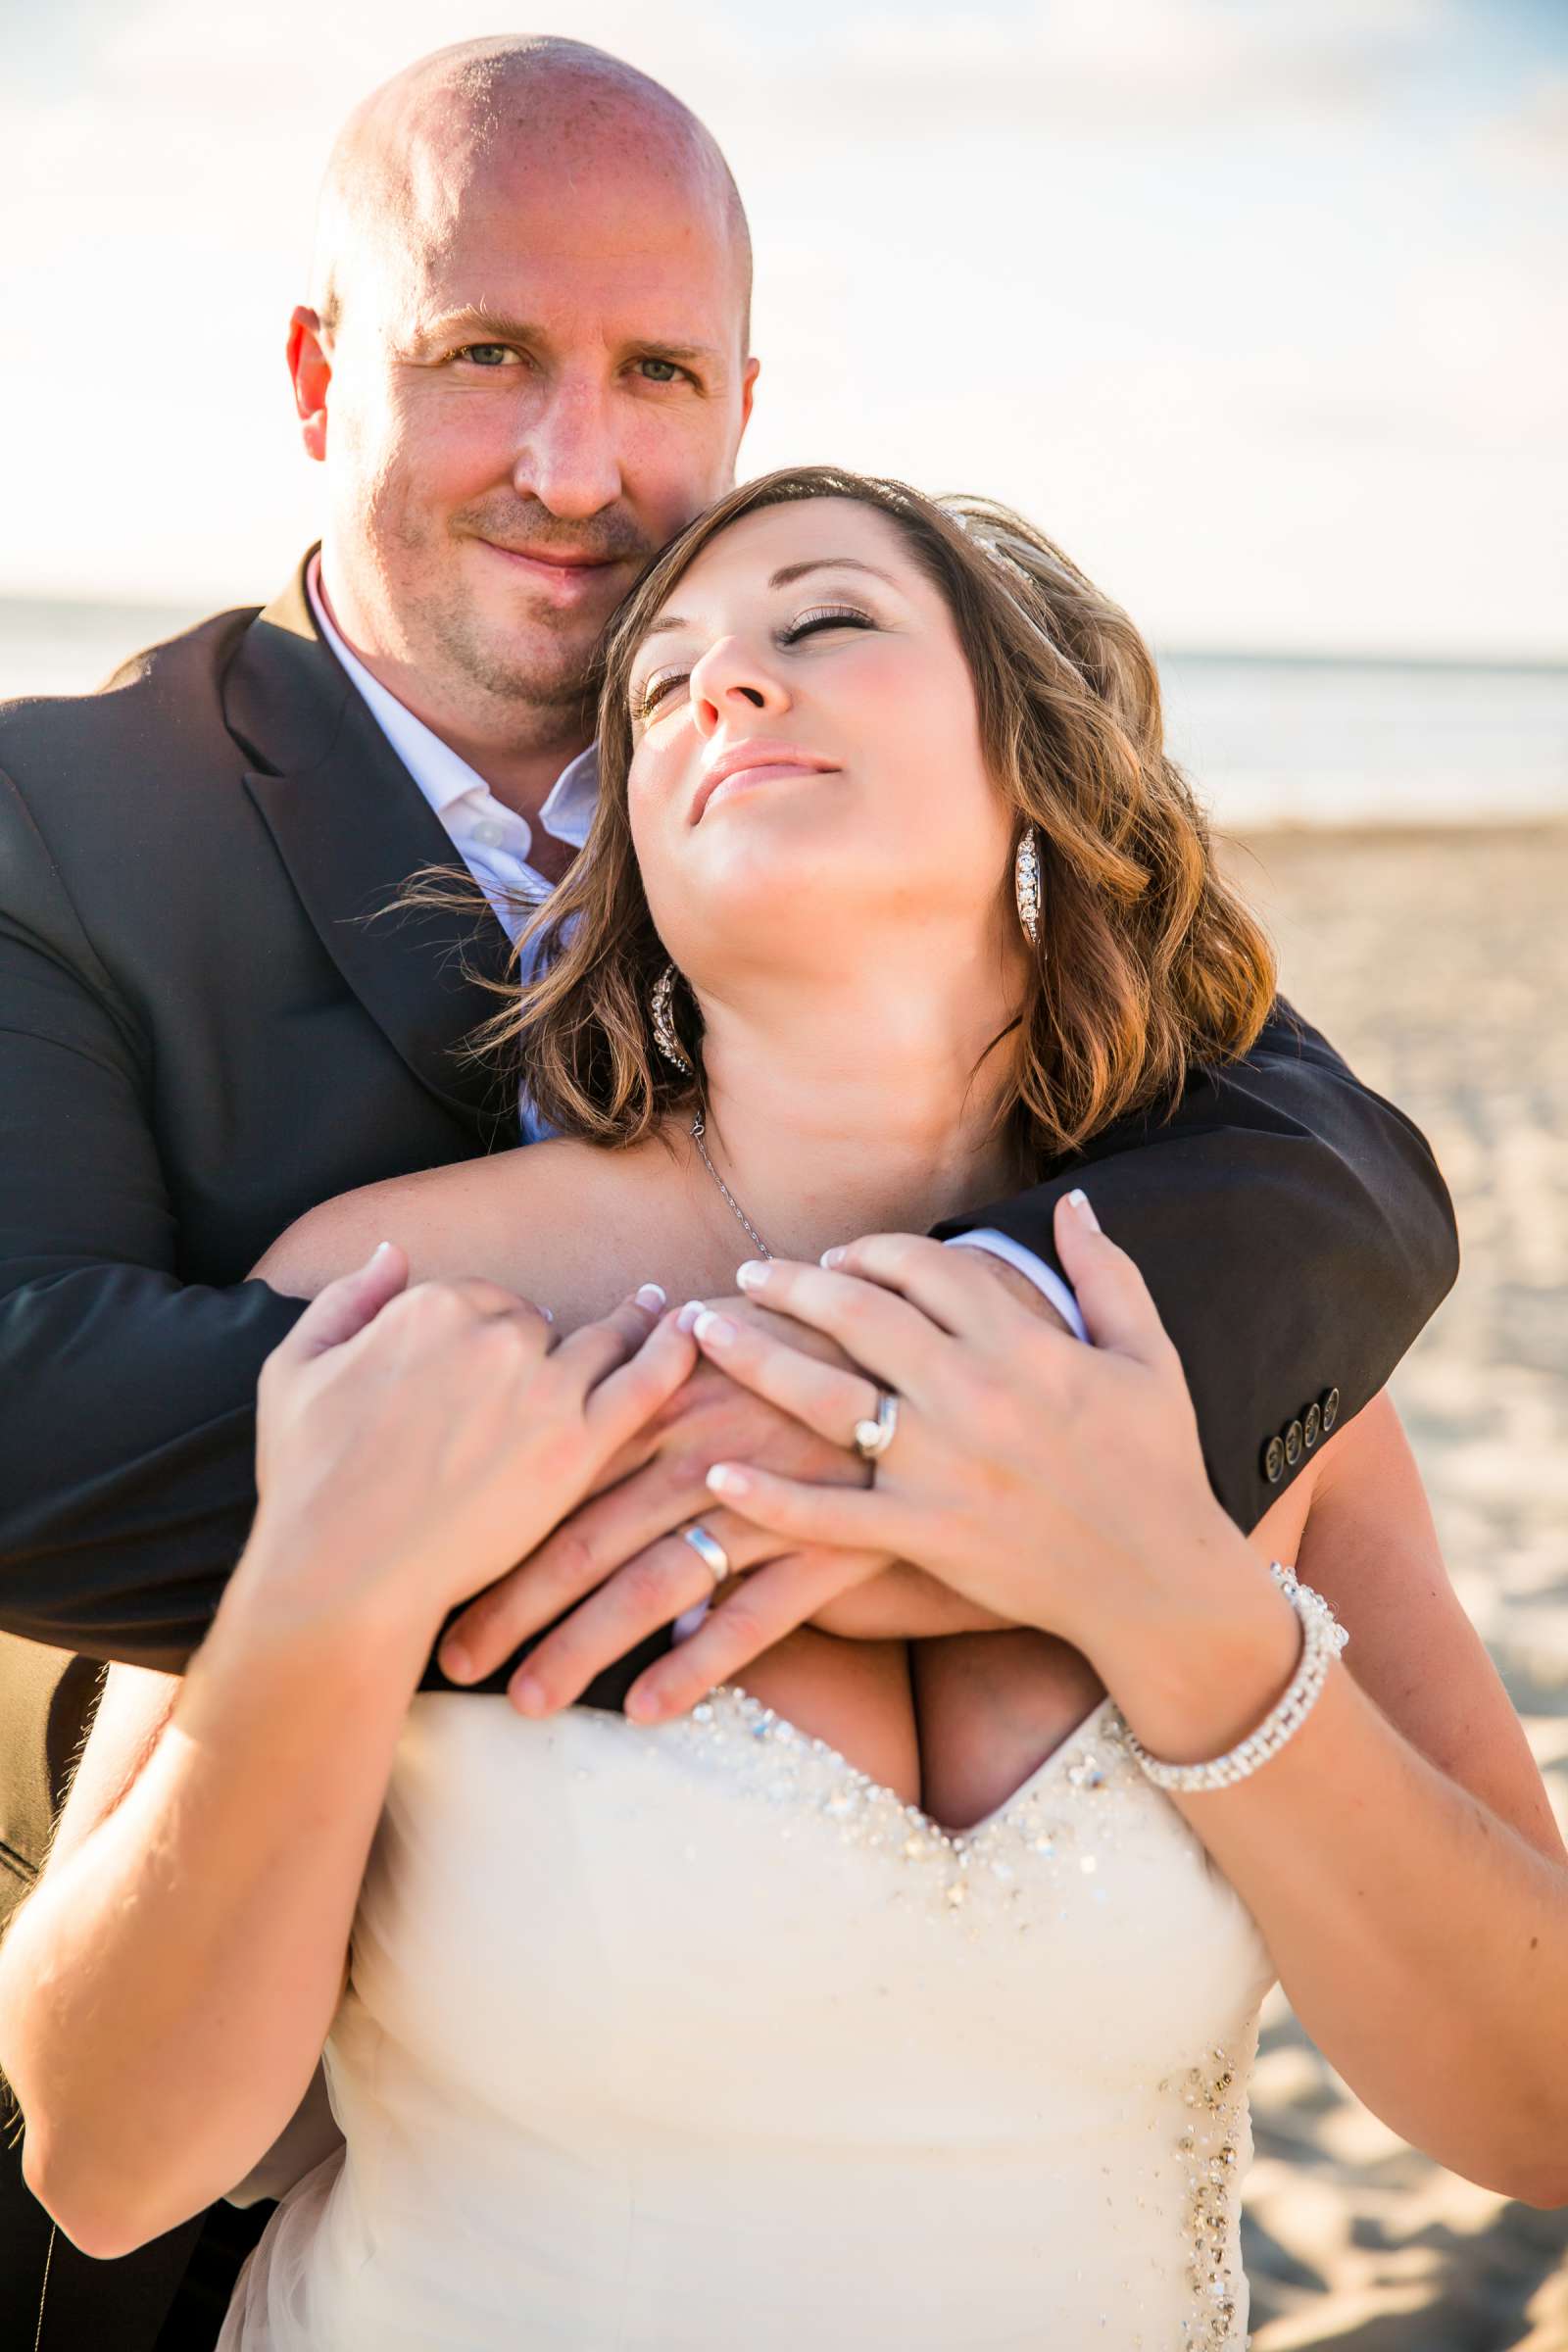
(653, 2032)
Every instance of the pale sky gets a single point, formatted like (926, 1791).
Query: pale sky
(1256, 305)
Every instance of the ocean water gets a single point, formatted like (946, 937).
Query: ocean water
(1268, 740)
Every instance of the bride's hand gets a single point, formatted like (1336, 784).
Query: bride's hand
(1045, 1481)
(412, 1443)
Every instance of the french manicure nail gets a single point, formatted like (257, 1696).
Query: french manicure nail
(726, 1479)
(688, 1315)
(833, 1257)
(714, 1331)
(1078, 1200)
(752, 1275)
(652, 1297)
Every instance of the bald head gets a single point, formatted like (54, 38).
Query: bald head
(525, 367)
(535, 105)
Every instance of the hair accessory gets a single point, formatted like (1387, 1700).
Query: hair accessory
(1026, 884)
(665, 1036)
(1022, 586)
(1322, 1640)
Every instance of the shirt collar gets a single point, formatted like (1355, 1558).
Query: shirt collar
(442, 775)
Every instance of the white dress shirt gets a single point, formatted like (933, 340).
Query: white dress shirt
(495, 844)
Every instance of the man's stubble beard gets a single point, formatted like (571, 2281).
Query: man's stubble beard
(516, 670)
(546, 669)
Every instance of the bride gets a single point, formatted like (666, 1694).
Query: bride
(907, 1995)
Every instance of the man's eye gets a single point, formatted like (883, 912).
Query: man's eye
(488, 355)
(659, 371)
(655, 689)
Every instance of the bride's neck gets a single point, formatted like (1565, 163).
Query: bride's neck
(837, 1109)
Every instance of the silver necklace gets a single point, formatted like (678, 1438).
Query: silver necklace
(699, 1129)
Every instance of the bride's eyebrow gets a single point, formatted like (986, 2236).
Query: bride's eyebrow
(797, 571)
(783, 579)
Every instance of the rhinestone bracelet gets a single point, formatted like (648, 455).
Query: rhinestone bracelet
(1322, 1640)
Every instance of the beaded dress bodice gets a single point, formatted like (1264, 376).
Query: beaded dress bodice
(686, 2038)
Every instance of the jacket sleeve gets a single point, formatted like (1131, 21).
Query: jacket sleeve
(127, 1396)
(1295, 1233)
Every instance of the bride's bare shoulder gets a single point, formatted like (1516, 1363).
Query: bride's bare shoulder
(516, 1217)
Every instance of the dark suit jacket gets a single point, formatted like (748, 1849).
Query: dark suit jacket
(201, 1036)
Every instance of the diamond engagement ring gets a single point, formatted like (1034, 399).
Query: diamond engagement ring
(873, 1437)
(712, 1553)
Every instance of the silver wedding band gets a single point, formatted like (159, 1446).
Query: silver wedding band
(712, 1553)
(873, 1437)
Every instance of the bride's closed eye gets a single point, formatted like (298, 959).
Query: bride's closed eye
(825, 616)
(659, 683)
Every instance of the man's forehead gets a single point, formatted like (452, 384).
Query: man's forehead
(531, 242)
(439, 184)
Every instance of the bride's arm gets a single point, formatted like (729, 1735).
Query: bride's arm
(1398, 1853)
(165, 1991)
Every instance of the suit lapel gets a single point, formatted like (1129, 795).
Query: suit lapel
(351, 825)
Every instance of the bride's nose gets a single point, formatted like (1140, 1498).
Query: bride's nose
(733, 681)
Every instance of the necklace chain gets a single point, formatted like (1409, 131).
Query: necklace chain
(699, 1129)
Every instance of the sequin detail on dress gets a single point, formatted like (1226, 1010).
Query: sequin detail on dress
(767, 1758)
(1209, 2151)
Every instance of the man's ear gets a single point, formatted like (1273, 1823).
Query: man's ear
(748, 392)
(310, 369)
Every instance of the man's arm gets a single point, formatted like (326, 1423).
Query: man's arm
(127, 1397)
(1295, 1233)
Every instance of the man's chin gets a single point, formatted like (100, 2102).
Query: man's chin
(524, 661)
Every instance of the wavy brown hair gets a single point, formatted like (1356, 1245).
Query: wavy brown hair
(1148, 962)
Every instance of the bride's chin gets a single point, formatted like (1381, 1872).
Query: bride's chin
(761, 853)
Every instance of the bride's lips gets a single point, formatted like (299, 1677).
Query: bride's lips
(757, 762)
(566, 578)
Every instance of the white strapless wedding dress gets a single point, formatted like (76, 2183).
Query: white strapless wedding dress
(693, 2037)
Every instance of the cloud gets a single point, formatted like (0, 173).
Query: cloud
(1063, 64)
(1221, 288)
(1530, 140)
(1086, 66)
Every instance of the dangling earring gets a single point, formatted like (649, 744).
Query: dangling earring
(1026, 884)
(665, 1036)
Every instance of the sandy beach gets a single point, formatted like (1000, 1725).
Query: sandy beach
(1438, 964)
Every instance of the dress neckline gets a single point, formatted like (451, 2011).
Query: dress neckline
(758, 1715)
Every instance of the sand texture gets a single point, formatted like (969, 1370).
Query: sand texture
(1438, 964)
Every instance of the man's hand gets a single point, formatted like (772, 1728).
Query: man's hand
(622, 1559)
(1020, 1287)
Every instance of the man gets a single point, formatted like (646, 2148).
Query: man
(526, 365)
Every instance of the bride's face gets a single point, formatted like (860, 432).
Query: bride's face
(806, 769)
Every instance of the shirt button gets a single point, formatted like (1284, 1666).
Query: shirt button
(1273, 1462)
(1331, 1408)
(490, 833)
(1312, 1425)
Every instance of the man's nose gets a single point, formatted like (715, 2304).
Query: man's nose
(569, 459)
(734, 681)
